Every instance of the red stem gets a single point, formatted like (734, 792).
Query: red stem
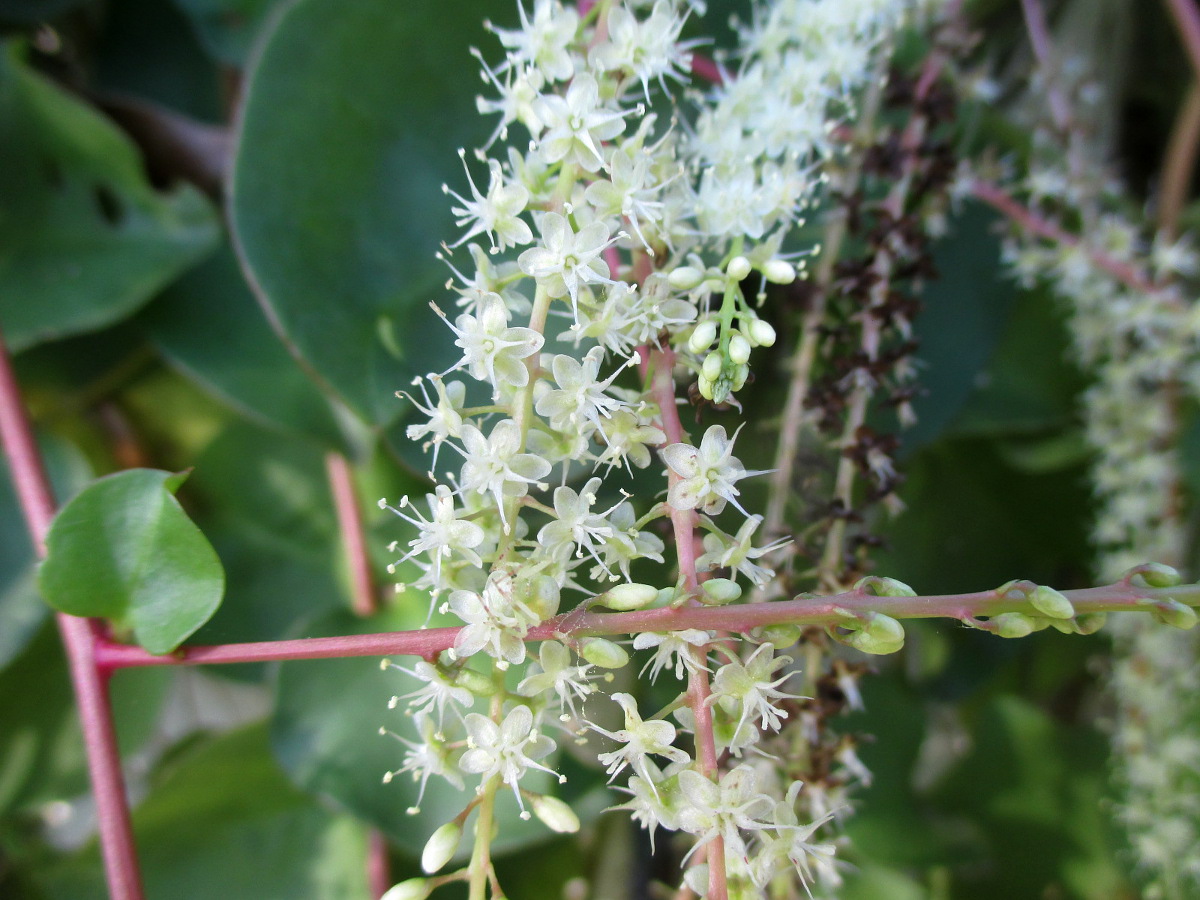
(89, 680)
(379, 869)
(354, 544)
(741, 618)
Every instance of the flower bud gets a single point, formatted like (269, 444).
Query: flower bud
(738, 268)
(712, 366)
(761, 333)
(740, 374)
(1050, 602)
(541, 594)
(413, 889)
(1015, 625)
(1090, 623)
(705, 387)
(555, 814)
(719, 591)
(441, 847)
(625, 597)
(779, 636)
(1171, 612)
(684, 278)
(1153, 575)
(702, 336)
(871, 633)
(739, 349)
(779, 271)
(603, 653)
(884, 587)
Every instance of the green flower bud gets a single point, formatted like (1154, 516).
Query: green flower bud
(1017, 590)
(1050, 602)
(1153, 575)
(540, 593)
(1171, 612)
(1090, 623)
(719, 591)
(712, 366)
(884, 587)
(739, 349)
(625, 597)
(441, 847)
(702, 336)
(761, 333)
(738, 268)
(705, 386)
(779, 636)
(874, 633)
(413, 889)
(555, 815)
(779, 271)
(684, 278)
(740, 374)
(603, 653)
(1016, 625)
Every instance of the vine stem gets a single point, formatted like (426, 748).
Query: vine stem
(741, 618)
(683, 523)
(350, 526)
(88, 678)
(1187, 21)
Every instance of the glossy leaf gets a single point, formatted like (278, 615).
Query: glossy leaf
(85, 240)
(349, 128)
(124, 549)
(227, 28)
(209, 326)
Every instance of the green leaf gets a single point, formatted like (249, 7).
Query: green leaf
(339, 233)
(209, 326)
(224, 823)
(227, 28)
(84, 239)
(21, 609)
(125, 550)
(326, 735)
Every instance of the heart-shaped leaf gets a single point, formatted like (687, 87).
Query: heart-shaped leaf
(125, 550)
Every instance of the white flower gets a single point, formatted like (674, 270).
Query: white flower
(576, 525)
(576, 124)
(726, 809)
(442, 535)
(647, 49)
(490, 348)
(748, 688)
(498, 214)
(445, 416)
(543, 40)
(568, 681)
(641, 739)
(424, 758)
(567, 258)
(580, 398)
(738, 553)
(496, 621)
(438, 692)
(706, 474)
(675, 647)
(507, 749)
(494, 465)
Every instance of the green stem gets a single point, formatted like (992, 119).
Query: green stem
(481, 857)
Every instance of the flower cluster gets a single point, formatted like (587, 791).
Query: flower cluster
(1137, 333)
(608, 249)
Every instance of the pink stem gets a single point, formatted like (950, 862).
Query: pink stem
(1187, 20)
(379, 870)
(1051, 231)
(350, 525)
(740, 618)
(705, 68)
(683, 523)
(89, 680)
